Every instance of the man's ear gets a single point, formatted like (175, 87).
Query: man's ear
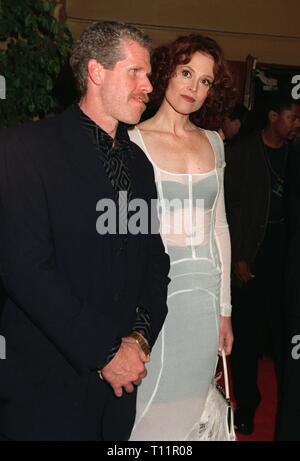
(273, 116)
(95, 71)
(237, 124)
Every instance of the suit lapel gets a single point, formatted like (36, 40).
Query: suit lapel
(81, 155)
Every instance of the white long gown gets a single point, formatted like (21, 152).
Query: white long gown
(171, 399)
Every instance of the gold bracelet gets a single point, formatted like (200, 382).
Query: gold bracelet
(139, 338)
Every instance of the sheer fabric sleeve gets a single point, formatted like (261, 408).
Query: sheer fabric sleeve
(223, 239)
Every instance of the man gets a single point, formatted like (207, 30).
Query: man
(256, 215)
(234, 124)
(84, 307)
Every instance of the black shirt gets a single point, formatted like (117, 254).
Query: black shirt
(276, 161)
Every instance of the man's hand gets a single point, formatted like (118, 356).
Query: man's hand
(226, 335)
(127, 368)
(242, 271)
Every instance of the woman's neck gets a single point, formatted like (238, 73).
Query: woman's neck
(168, 120)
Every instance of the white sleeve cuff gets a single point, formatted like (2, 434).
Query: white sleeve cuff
(226, 310)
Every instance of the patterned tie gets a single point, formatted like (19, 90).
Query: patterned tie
(112, 154)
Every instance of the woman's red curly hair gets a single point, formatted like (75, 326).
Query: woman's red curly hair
(165, 59)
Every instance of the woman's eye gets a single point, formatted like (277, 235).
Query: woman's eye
(207, 82)
(186, 73)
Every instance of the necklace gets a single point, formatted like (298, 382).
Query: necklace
(277, 184)
(278, 175)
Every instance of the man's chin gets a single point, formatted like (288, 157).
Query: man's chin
(291, 136)
(133, 119)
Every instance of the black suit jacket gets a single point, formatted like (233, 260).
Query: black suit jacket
(292, 298)
(247, 196)
(71, 291)
(288, 428)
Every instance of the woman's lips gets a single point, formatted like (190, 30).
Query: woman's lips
(188, 98)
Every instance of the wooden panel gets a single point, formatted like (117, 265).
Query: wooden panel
(268, 17)
(238, 70)
(60, 12)
(236, 47)
(268, 30)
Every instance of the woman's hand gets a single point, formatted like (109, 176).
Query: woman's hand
(226, 335)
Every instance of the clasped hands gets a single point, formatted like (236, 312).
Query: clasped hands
(127, 368)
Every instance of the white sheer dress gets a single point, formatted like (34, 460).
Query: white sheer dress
(196, 237)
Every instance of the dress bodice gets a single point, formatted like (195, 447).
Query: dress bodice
(187, 201)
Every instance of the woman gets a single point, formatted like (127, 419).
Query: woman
(188, 164)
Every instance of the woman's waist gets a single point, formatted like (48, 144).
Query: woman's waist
(189, 263)
(206, 254)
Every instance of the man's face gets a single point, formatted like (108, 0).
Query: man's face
(231, 127)
(284, 122)
(124, 88)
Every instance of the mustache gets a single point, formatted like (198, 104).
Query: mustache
(143, 97)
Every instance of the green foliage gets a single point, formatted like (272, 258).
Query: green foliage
(37, 48)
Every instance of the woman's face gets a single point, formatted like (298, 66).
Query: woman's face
(190, 84)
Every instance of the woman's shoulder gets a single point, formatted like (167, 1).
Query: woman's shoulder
(217, 144)
(147, 125)
(212, 134)
(141, 131)
(134, 134)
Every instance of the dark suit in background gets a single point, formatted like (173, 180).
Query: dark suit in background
(260, 243)
(288, 427)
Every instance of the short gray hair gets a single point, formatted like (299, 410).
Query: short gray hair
(102, 41)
